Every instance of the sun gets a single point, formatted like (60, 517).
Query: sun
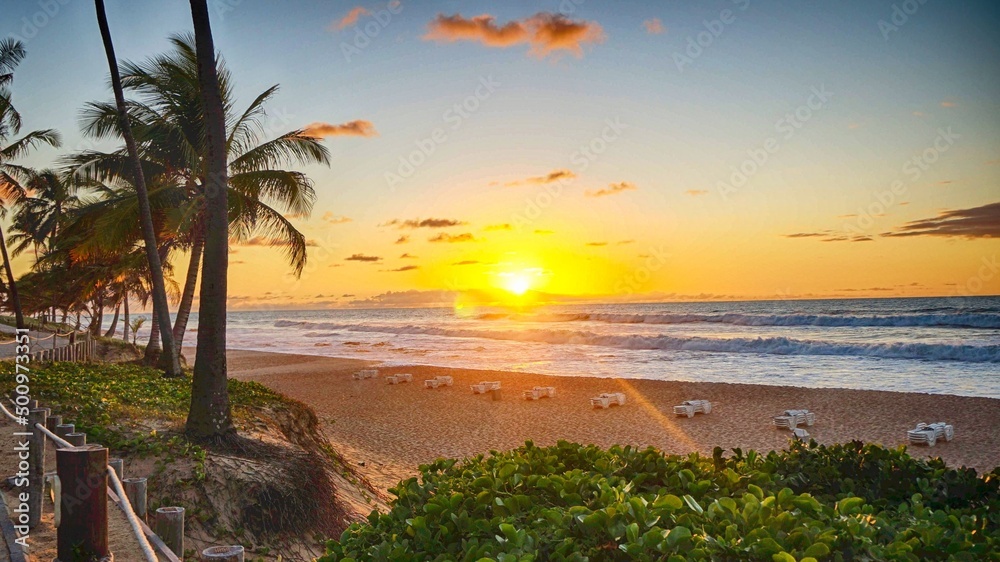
(517, 283)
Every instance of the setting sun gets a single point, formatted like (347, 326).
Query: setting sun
(517, 282)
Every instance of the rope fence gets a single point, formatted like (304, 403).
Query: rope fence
(84, 480)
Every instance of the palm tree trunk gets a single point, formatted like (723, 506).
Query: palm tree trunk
(114, 322)
(15, 300)
(153, 349)
(127, 326)
(187, 298)
(209, 415)
(162, 318)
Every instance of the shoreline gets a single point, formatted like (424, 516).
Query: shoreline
(386, 431)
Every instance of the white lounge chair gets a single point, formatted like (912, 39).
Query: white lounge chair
(365, 374)
(400, 378)
(928, 434)
(691, 407)
(794, 418)
(800, 434)
(539, 392)
(608, 399)
(485, 386)
(437, 382)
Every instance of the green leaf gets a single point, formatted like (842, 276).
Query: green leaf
(693, 504)
(677, 534)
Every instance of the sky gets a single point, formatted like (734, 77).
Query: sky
(583, 150)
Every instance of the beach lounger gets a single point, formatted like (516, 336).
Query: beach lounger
(485, 386)
(608, 399)
(365, 374)
(438, 382)
(400, 378)
(794, 418)
(539, 392)
(691, 407)
(929, 434)
(800, 434)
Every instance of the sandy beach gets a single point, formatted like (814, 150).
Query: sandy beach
(388, 430)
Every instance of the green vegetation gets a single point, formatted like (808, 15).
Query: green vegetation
(115, 404)
(573, 502)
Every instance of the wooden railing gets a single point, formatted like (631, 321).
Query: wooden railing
(76, 346)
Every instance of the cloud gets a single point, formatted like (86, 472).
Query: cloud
(613, 189)
(653, 26)
(335, 219)
(551, 177)
(351, 17)
(466, 262)
(544, 232)
(831, 236)
(404, 268)
(362, 257)
(977, 222)
(596, 244)
(545, 32)
(402, 239)
(445, 237)
(407, 257)
(424, 223)
(496, 227)
(357, 128)
(944, 182)
(948, 104)
(696, 192)
(623, 242)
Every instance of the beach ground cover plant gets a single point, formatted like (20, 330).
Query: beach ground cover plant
(575, 503)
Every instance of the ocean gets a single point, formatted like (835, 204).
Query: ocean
(930, 345)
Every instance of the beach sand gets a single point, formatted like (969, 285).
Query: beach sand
(388, 430)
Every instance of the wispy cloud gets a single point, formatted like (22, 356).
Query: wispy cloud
(653, 26)
(356, 128)
(624, 242)
(335, 219)
(407, 257)
(264, 241)
(402, 239)
(497, 227)
(543, 232)
(596, 244)
(831, 236)
(466, 262)
(453, 238)
(351, 17)
(696, 192)
(363, 258)
(424, 223)
(404, 268)
(545, 32)
(977, 222)
(551, 177)
(613, 189)
(948, 103)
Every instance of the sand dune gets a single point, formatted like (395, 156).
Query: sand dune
(393, 428)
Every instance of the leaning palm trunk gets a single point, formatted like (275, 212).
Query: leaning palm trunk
(153, 349)
(187, 298)
(209, 415)
(114, 322)
(162, 318)
(127, 326)
(15, 300)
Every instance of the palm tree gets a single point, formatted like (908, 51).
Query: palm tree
(11, 191)
(146, 219)
(209, 415)
(40, 215)
(170, 125)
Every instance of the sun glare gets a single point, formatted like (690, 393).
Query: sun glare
(518, 283)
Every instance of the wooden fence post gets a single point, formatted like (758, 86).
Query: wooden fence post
(222, 554)
(64, 429)
(83, 531)
(135, 489)
(169, 526)
(77, 439)
(36, 467)
(51, 422)
(119, 466)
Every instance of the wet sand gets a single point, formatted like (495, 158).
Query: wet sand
(388, 430)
